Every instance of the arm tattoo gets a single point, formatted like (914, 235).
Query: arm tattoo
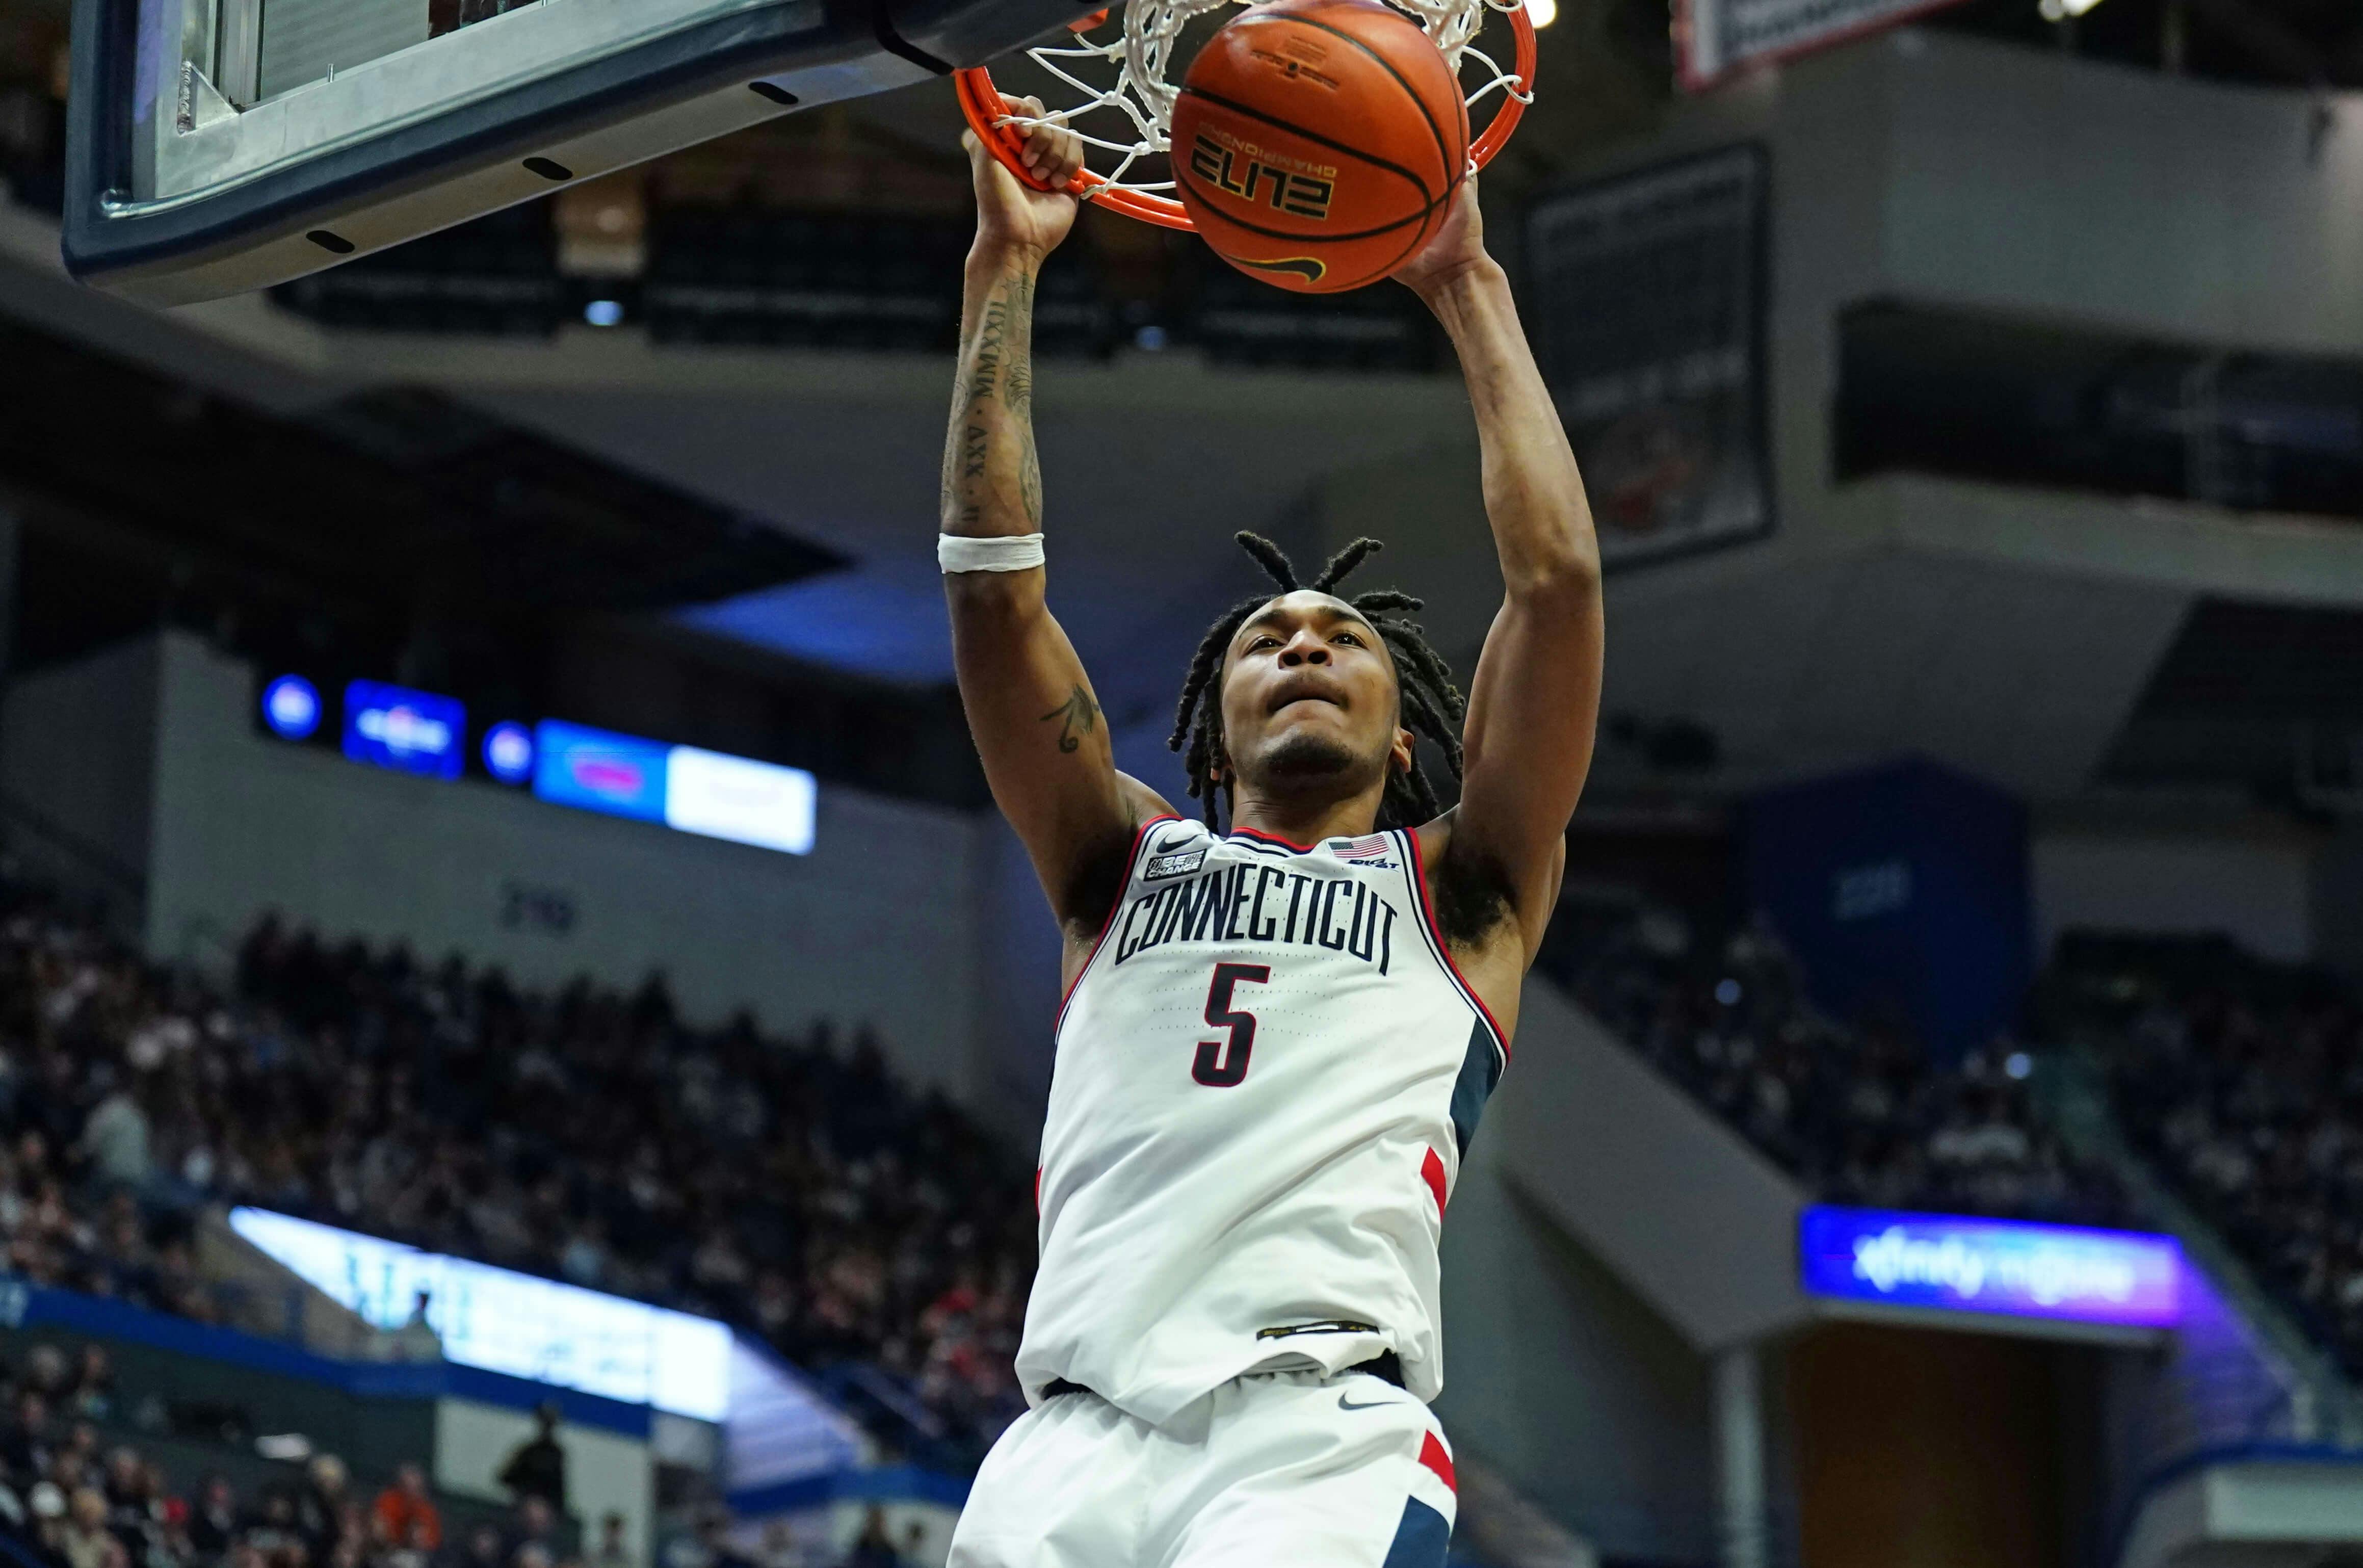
(1077, 715)
(992, 418)
(1021, 373)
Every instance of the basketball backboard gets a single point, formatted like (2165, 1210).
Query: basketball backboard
(218, 146)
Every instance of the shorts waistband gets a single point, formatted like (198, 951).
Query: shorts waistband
(1386, 1366)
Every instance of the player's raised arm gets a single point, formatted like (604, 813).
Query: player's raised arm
(1535, 700)
(1030, 708)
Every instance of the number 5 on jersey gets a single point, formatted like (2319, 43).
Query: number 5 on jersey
(1223, 1063)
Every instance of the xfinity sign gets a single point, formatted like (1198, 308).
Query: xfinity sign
(1955, 1263)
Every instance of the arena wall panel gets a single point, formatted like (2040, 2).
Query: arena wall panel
(605, 1472)
(1901, 889)
(77, 747)
(2085, 175)
(2254, 888)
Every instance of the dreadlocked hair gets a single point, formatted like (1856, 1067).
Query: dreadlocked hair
(1431, 704)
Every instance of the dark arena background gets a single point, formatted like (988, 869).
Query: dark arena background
(523, 1037)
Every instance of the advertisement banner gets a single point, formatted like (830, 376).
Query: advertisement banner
(1649, 314)
(1714, 38)
(408, 731)
(739, 799)
(1961, 1264)
(508, 1322)
(597, 770)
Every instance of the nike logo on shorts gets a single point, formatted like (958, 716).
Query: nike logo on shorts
(1345, 1402)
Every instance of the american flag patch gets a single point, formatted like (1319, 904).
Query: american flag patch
(1373, 849)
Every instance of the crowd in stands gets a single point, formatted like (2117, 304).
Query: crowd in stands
(790, 1186)
(71, 1497)
(79, 1489)
(1855, 1109)
(2242, 1082)
(794, 1187)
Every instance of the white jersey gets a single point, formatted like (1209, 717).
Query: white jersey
(1267, 1073)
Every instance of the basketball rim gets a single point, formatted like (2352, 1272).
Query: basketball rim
(989, 115)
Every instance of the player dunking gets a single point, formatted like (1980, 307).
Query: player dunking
(1276, 1040)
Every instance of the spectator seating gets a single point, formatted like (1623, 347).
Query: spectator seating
(1856, 1112)
(82, 1486)
(2242, 1082)
(94, 1473)
(793, 1187)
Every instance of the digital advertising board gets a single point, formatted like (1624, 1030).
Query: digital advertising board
(1952, 1262)
(408, 731)
(500, 1320)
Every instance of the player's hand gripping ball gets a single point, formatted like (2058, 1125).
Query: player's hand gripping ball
(1317, 143)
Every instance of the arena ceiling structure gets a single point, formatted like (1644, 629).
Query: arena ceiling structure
(390, 494)
(2017, 630)
(2000, 647)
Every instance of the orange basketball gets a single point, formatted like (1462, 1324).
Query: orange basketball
(1317, 143)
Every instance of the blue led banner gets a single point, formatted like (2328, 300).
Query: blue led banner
(595, 769)
(711, 793)
(706, 792)
(1961, 1264)
(411, 732)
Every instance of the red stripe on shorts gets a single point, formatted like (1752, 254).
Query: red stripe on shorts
(1431, 1171)
(1432, 1454)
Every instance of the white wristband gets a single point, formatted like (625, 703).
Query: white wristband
(959, 552)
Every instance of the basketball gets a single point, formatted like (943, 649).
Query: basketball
(1317, 143)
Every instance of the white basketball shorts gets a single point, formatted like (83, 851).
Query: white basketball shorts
(1272, 1470)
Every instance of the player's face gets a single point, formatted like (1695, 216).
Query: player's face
(1310, 704)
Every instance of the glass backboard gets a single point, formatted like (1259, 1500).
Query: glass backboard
(218, 146)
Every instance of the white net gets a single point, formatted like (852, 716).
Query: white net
(1141, 93)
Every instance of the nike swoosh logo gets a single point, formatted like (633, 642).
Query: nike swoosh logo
(1345, 1403)
(1167, 845)
(1305, 267)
